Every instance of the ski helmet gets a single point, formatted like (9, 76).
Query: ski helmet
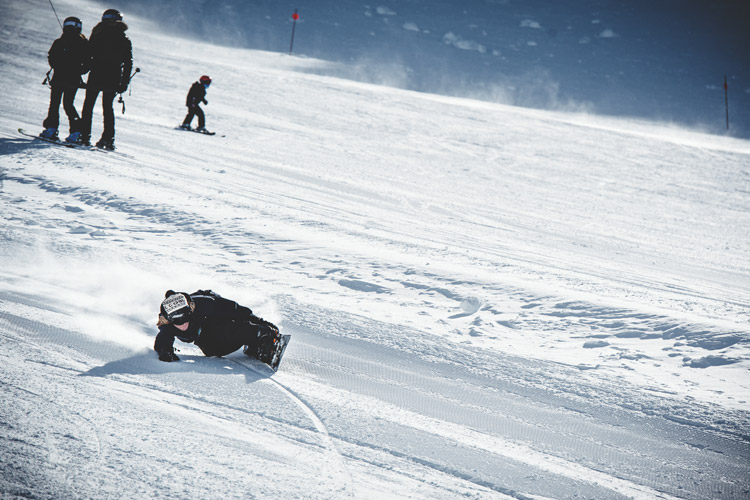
(72, 24)
(112, 15)
(205, 79)
(176, 307)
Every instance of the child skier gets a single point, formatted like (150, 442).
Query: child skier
(69, 59)
(218, 326)
(197, 95)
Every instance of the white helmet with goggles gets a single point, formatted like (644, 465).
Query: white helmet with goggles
(176, 307)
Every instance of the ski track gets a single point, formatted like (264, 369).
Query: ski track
(334, 460)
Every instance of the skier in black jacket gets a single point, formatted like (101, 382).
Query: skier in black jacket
(111, 63)
(196, 96)
(69, 59)
(217, 325)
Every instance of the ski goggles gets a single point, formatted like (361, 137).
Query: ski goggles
(112, 16)
(75, 24)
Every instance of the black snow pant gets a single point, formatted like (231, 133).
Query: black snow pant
(108, 99)
(68, 96)
(228, 336)
(195, 110)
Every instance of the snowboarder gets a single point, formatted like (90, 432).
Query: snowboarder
(196, 96)
(111, 62)
(218, 326)
(69, 59)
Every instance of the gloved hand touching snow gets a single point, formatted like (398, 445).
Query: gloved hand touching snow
(168, 356)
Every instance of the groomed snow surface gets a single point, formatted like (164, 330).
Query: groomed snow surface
(485, 301)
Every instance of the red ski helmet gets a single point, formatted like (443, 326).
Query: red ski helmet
(206, 79)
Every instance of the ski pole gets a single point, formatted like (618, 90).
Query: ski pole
(130, 90)
(121, 100)
(58, 17)
(47, 79)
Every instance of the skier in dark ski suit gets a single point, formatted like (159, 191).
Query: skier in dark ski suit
(111, 63)
(69, 59)
(196, 96)
(217, 325)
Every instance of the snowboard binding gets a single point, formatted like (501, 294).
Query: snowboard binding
(271, 346)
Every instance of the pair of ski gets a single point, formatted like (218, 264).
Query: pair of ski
(204, 131)
(72, 145)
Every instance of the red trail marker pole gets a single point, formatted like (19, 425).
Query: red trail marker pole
(726, 99)
(295, 16)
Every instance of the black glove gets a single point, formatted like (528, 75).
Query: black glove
(205, 101)
(168, 356)
(122, 88)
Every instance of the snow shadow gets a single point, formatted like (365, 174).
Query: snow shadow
(143, 361)
(147, 363)
(9, 146)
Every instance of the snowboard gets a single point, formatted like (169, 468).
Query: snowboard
(280, 348)
(71, 145)
(276, 356)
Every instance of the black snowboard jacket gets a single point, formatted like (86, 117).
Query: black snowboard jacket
(111, 57)
(213, 315)
(196, 95)
(69, 57)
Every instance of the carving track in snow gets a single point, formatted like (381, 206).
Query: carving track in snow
(334, 461)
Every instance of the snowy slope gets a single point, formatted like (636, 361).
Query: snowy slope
(485, 301)
(662, 60)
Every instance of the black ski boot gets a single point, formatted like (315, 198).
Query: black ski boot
(270, 345)
(108, 144)
(265, 346)
(268, 338)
